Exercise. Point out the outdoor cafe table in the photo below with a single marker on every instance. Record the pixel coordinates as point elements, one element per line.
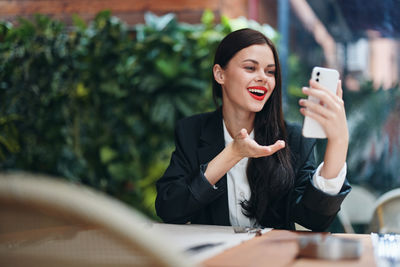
<point>268,250</point>
<point>273,248</point>
<point>276,248</point>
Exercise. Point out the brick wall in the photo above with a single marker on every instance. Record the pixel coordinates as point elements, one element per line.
<point>130,11</point>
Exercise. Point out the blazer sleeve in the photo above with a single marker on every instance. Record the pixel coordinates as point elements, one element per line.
<point>311,207</point>
<point>183,190</point>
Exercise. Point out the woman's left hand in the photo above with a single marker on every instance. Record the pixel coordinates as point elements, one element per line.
<point>331,115</point>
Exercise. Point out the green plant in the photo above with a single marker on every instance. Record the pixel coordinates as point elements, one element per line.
<point>97,103</point>
<point>374,125</point>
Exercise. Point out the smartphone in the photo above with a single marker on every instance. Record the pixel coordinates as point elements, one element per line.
<point>329,247</point>
<point>329,79</point>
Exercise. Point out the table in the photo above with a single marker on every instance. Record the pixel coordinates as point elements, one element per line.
<point>273,248</point>
<point>93,246</point>
<point>277,248</point>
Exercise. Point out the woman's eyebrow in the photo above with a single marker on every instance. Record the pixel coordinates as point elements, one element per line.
<point>256,62</point>
<point>251,60</point>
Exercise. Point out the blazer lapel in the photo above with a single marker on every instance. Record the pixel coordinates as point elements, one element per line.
<point>212,143</point>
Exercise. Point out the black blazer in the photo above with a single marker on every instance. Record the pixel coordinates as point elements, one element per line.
<point>184,195</point>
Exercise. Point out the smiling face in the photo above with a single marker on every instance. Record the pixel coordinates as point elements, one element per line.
<point>248,80</point>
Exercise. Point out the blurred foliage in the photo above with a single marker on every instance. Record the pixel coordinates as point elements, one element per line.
<point>373,119</point>
<point>373,159</point>
<point>299,76</point>
<point>374,125</point>
<point>97,103</point>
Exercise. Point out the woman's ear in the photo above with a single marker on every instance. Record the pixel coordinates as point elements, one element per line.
<point>218,74</point>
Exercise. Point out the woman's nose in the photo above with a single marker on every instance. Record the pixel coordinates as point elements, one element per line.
<point>261,77</point>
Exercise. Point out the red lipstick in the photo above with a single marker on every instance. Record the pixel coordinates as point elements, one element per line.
<point>257,92</point>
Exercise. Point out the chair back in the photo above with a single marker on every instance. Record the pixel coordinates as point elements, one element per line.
<point>49,222</point>
<point>357,208</point>
<point>386,216</point>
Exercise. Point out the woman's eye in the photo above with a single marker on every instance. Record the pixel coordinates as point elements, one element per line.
<point>272,72</point>
<point>249,68</point>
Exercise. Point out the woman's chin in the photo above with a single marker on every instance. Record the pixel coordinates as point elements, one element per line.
<point>257,107</point>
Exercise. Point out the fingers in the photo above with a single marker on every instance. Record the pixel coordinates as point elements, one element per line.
<point>277,146</point>
<point>330,99</point>
<point>331,114</point>
<point>339,90</point>
<point>312,107</point>
<point>333,104</point>
<point>242,134</point>
<point>314,115</point>
<point>270,150</point>
<point>319,87</point>
<point>248,147</point>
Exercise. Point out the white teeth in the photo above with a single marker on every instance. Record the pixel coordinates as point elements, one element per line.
<point>257,91</point>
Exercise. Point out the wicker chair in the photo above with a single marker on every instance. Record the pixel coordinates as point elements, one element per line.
<point>49,222</point>
<point>386,217</point>
<point>357,208</point>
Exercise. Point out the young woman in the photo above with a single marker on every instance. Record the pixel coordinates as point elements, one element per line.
<point>242,164</point>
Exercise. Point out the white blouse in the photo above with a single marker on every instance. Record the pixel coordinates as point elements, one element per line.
<point>239,189</point>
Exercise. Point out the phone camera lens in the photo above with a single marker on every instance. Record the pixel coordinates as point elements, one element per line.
<point>318,73</point>
<point>317,80</point>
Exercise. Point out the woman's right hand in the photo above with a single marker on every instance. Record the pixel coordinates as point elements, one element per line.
<point>245,147</point>
<point>242,146</point>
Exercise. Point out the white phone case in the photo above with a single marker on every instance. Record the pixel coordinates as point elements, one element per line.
<point>328,78</point>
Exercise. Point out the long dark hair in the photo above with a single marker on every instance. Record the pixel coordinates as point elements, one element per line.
<point>270,178</point>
